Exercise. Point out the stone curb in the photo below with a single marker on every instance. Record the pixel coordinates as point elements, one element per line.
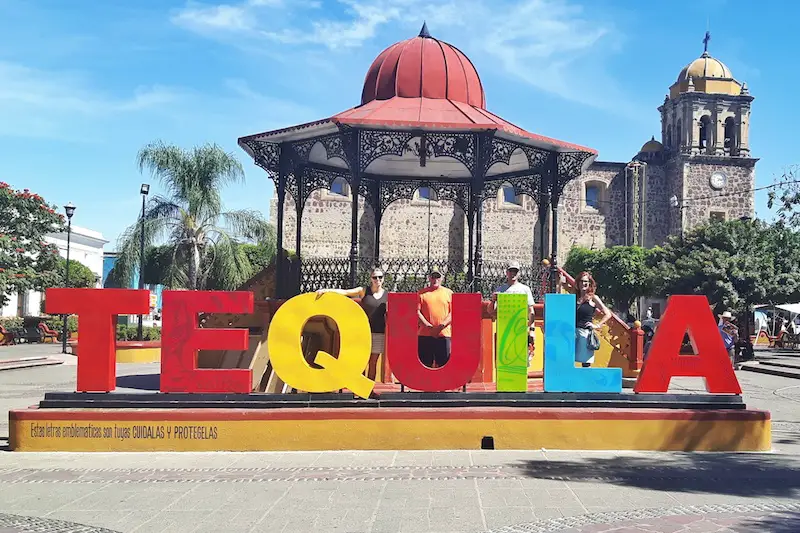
<point>572,522</point>
<point>28,362</point>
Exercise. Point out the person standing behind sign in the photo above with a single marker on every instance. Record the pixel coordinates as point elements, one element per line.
<point>373,301</point>
<point>730,335</point>
<point>587,305</point>
<point>435,316</point>
<point>514,286</point>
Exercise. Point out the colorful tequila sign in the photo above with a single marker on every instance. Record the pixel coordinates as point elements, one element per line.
<point>182,339</point>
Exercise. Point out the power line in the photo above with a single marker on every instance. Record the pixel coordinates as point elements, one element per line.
<point>693,199</point>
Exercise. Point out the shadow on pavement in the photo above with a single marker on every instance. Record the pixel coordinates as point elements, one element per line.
<point>149,382</point>
<point>740,475</point>
<point>785,523</point>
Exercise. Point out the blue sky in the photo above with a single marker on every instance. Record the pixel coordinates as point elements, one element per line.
<point>84,83</point>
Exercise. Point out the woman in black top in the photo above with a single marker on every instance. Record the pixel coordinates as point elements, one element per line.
<point>587,305</point>
<point>373,302</point>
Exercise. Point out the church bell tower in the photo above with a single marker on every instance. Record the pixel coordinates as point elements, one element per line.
<point>705,132</point>
<point>707,111</point>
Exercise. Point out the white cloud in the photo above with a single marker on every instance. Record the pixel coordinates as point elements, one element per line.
<point>40,103</point>
<point>240,19</point>
<point>221,17</point>
<point>555,46</point>
<point>334,34</point>
<point>64,106</point>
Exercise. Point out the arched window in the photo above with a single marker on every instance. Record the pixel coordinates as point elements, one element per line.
<point>706,134</point>
<point>730,134</point>
<point>678,134</point>
<point>426,193</point>
<point>593,194</point>
<point>669,139</point>
<point>595,197</point>
<point>510,197</point>
<point>340,187</point>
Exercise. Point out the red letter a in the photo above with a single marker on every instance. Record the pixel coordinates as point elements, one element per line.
<point>181,339</point>
<point>688,313</point>
<point>402,327</point>
<point>97,311</point>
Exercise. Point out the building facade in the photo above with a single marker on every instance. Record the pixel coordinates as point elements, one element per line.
<point>700,170</point>
<point>85,246</point>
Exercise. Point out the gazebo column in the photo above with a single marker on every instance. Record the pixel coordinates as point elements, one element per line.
<point>283,170</point>
<point>555,196</point>
<point>542,206</point>
<point>355,183</point>
<point>470,235</point>
<point>300,203</point>
<point>377,211</point>
<point>483,145</point>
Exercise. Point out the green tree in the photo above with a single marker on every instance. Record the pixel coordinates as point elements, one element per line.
<point>27,262</point>
<point>622,273</point>
<point>786,197</point>
<point>80,276</point>
<point>200,236</point>
<point>260,255</point>
<point>735,264</point>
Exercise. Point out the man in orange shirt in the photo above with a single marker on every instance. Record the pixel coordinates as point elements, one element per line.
<point>435,315</point>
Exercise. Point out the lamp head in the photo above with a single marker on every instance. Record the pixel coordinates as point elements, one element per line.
<point>145,189</point>
<point>69,209</point>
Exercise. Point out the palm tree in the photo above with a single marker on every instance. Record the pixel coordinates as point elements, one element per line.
<point>201,240</point>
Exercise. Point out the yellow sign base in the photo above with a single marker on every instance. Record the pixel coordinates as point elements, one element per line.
<point>121,430</point>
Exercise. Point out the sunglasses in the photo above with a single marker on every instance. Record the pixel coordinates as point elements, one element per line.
<point>377,277</point>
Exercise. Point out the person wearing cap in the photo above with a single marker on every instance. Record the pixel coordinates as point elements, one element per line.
<point>514,286</point>
<point>434,310</point>
<point>729,333</point>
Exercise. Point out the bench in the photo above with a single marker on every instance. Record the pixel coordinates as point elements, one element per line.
<point>48,334</point>
<point>7,338</point>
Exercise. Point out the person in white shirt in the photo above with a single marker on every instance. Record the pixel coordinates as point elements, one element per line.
<point>514,286</point>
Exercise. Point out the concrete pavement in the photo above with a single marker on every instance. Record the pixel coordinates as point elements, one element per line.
<point>447,491</point>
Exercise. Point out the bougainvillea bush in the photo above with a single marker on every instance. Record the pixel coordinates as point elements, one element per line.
<point>27,262</point>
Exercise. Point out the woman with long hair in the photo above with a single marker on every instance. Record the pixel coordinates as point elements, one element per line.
<point>587,305</point>
<point>373,302</point>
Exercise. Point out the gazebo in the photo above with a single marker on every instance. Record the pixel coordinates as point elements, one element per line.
<point>422,122</point>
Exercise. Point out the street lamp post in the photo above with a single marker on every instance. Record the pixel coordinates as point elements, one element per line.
<point>680,206</point>
<point>144,190</point>
<point>69,209</point>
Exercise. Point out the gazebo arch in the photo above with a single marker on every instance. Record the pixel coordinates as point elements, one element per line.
<point>413,129</point>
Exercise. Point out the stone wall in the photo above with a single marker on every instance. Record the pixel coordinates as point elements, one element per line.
<point>582,225</point>
<point>404,230</point>
<point>510,231</point>
<point>734,201</point>
<point>656,209</point>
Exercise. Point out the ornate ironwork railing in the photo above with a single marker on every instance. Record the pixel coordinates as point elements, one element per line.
<point>410,274</point>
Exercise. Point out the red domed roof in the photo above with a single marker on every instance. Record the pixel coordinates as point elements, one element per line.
<point>423,67</point>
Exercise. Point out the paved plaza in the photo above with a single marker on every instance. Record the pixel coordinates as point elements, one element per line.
<point>420,492</point>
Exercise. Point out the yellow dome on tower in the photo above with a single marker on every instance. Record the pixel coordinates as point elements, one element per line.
<point>652,146</point>
<point>705,67</point>
<point>706,74</point>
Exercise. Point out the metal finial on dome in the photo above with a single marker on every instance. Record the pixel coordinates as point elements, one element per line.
<point>424,33</point>
<point>706,39</point>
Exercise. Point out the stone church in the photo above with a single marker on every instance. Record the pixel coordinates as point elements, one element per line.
<point>701,169</point>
